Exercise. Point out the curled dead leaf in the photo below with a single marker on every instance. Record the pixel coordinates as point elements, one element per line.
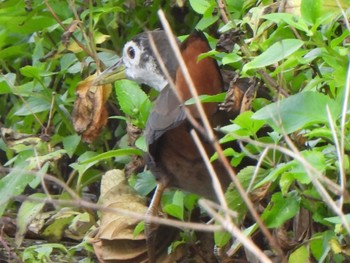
<point>115,240</point>
<point>89,112</point>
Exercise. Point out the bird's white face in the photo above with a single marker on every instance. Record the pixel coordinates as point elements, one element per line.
<point>141,66</point>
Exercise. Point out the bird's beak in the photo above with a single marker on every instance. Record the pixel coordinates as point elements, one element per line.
<point>111,74</point>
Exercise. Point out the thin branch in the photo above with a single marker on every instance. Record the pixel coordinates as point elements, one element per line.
<point>140,216</point>
<point>236,232</point>
<point>65,29</point>
<point>223,12</point>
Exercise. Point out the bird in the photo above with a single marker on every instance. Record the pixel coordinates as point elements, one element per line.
<point>173,157</point>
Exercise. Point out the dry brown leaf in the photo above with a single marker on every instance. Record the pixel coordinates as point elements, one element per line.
<point>239,96</point>
<point>89,112</point>
<point>260,193</point>
<point>115,240</point>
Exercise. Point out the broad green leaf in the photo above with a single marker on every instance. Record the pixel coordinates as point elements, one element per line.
<point>298,111</point>
<point>299,255</point>
<point>208,98</point>
<point>30,71</point>
<point>13,184</point>
<point>24,25</point>
<point>145,183</point>
<point>70,144</point>
<point>337,220</point>
<point>141,143</point>
<point>231,58</point>
<point>316,159</point>
<point>39,160</point>
<point>41,252</point>
<point>176,208</point>
<point>200,6</point>
<point>206,21</point>
<point>58,223</point>
<point>111,154</point>
<point>133,101</point>
<point>290,19</point>
<point>316,242</point>
<point>15,51</point>
<point>190,201</point>
<point>245,121</point>
<point>33,104</point>
<point>233,197</point>
<point>26,213</point>
<point>285,182</point>
<point>100,11</point>
<point>84,162</point>
<point>311,15</point>
<point>247,232</point>
<point>278,51</point>
<point>6,82</point>
<point>281,209</point>
<point>221,238</point>
<point>140,227</point>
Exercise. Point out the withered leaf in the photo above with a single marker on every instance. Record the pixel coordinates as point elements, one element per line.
<point>115,239</point>
<point>89,112</point>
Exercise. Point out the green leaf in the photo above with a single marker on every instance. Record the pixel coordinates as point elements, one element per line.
<point>30,71</point>
<point>26,213</point>
<point>33,104</point>
<point>200,6</point>
<point>41,252</point>
<point>111,154</point>
<point>176,208</point>
<point>298,111</point>
<point>13,184</point>
<point>145,183</point>
<point>316,159</point>
<point>337,220</point>
<point>82,164</point>
<point>70,144</point>
<point>206,21</point>
<point>245,121</point>
<point>141,143</point>
<point>289,19</point>
<point>6,82</point>
<point>281,209</point>
<point>207,98</point>
<point>231,58</point>
<point>133,101</point>
<point>221,238</point>
<point>233,197</point>
<point>311,15</point>
<point>140,227</point>
<point>299,255</point>
<point>285,182</point>
<point>25,25</point>
<point>59,223</point>
<point>278,51</point>
<point>316,244</point>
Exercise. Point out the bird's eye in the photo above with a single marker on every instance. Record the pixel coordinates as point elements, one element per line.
<point>131,52</point>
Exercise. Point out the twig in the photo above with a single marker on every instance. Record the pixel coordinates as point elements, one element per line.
<point>140,216</point>
<point>236,232</point>
<point>222,8</point>
<point>65,28</point>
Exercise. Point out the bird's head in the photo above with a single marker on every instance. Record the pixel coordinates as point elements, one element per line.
<point>139,63</point>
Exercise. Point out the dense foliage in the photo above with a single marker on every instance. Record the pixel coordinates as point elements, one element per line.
<point>299,54</point>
